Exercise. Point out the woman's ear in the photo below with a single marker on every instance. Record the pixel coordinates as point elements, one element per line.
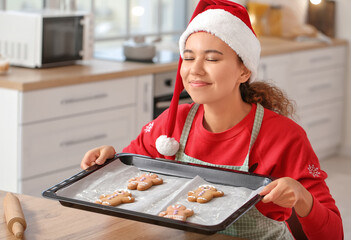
<point>245,74</point>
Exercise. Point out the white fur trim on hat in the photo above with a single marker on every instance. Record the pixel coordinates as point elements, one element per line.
<point>167,146</point>
<point>229,29</point>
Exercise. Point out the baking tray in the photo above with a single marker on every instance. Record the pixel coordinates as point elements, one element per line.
<point>169,168</point>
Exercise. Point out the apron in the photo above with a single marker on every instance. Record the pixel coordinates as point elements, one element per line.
<point>253,224</point>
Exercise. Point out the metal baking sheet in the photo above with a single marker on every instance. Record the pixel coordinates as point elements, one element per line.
<point>77,192</point>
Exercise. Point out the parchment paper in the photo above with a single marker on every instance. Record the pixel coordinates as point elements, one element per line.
<point>174,190</point>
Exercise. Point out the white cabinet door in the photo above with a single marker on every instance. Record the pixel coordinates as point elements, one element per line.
<point>145,102</point>
<point>275,69</point>
<point>9,139</point>
<point>55,145</point>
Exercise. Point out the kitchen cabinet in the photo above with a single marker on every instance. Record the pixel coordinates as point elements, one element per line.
<point>315,80</point>
<point>49,130</point>
<point>275,69</point>
<point>317,84</point>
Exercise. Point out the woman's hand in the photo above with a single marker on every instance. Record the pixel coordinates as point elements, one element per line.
<point>288,193</point>
<point>97,156</point>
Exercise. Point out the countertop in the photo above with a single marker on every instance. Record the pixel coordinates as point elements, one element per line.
<point>47,219</point>
<point>24,79</point>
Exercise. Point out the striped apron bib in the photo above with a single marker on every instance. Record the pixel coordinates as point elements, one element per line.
<point>253,224</point>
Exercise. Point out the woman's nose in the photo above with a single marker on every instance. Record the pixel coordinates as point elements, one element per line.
<point>197,68</point>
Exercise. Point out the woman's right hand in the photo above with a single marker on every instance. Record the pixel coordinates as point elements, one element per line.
<point>97,156</point>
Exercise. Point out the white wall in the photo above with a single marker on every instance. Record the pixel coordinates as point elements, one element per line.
<point>343,19</point>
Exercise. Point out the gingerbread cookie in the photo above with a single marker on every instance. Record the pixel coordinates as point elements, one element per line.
<point>144,181</point>
<point>177,212</point>
<point>116,198</point>
<point>204,194</point>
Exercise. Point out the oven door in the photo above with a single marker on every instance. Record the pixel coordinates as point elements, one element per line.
<point>62,41</point>
<point>163,102</point>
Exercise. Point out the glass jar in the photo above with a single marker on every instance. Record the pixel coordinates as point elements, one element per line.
<point>275,21</point>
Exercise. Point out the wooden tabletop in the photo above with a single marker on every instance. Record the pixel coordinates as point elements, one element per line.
<point>48,219</point>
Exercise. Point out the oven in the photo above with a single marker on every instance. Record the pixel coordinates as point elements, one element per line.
<point>163,92</point>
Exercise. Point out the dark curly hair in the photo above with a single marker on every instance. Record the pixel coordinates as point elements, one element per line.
<point>269,96</point>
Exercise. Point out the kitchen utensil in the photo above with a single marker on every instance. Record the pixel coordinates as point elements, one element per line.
<point>15,220</point>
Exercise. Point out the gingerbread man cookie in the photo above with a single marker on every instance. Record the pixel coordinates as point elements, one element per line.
<point>177,212</point>
<point>204,194</point>
<point>116,198</point>
<point>144,181</point>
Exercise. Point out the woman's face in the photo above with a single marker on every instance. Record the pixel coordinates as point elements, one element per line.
<point>211,70</point>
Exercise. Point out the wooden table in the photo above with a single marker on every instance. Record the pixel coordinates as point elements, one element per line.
<point>48,219</point>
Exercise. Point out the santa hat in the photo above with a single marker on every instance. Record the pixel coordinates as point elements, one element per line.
<point>228,21</point>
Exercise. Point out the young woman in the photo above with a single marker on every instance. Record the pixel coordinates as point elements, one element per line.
<point>238,123</point>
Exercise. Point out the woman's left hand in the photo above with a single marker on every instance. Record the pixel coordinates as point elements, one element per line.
<point>288,193</point>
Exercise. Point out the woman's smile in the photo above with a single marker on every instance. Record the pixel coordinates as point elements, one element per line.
<point>198,83</point>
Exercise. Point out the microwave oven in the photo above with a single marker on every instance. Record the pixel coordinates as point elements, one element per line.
<point>45,39</point>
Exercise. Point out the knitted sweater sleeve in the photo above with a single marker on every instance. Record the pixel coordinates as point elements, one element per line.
<point>295,158</point>
<point>324,220</point>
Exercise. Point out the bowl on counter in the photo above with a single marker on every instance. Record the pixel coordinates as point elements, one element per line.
<point>139,50</point>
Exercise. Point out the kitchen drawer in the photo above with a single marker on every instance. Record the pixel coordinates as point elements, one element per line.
<point>322,124</point>
<point>54,145</point>
<point>318,59</point>
<point>315,87</point>
<point>35,186</point>
<point>75,99</point>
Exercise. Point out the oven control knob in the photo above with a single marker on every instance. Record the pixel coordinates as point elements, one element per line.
<point>168,82</point>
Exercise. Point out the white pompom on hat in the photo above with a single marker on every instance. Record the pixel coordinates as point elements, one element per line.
<point>228,21</point>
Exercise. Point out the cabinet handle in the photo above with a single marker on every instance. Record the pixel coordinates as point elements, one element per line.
<point>320,87</point>
<point>264,71</point>
<point>318,122</point>
<point>83,140</point>
<point>320,59</point>
<point>146,95</point>
<point>82,99</point>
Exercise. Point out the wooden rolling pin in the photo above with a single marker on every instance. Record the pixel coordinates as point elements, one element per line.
<point>14,215</point>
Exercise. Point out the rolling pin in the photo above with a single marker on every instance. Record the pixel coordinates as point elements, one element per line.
<point>15,220</point>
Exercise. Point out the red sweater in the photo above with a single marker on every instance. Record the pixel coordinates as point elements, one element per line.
<point>281,150</point>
